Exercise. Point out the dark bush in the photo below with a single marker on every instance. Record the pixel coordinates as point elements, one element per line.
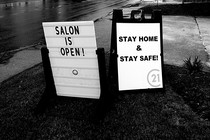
<point>193,66</point>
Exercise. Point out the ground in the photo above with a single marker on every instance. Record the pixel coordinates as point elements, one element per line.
<point>131,116</point>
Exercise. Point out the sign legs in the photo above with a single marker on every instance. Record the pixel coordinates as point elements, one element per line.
<point>49,96</point>
<point>105,97</point>
<point>50,91</point>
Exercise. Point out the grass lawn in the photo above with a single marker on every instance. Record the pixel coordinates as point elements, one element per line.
<point>179,113</point>
<point>132,116</point>
<point>187,9</point>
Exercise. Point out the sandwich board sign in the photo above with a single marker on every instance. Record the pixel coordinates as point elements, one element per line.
<point>72,53</point>
<point>139,54</point>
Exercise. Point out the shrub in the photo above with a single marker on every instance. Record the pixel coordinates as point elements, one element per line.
<point>193,66</point>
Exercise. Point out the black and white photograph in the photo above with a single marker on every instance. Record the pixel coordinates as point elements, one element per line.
<point>104,69</point>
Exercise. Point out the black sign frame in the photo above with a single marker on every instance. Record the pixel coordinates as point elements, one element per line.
<point>137,16</point>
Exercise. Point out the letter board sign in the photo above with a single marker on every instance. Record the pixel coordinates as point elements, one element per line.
<point>139,58</point>
<point>72,52</point>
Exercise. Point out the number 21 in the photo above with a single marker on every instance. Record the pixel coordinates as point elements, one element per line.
<point>156,78</point>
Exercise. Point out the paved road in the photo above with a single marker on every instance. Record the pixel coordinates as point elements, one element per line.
<point>21,22</point>
<point>183,36</point>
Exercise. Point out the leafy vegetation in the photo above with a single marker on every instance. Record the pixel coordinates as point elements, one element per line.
<point>189,9</point>
<point>193,85</point>
<point>193,66</point>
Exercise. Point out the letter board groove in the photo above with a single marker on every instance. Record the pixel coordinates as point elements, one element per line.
<point>72,52</point>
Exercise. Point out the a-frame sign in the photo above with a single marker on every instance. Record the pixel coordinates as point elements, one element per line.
<point>73,65</point>
<point>72,52</point>
<point>136,59</point>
